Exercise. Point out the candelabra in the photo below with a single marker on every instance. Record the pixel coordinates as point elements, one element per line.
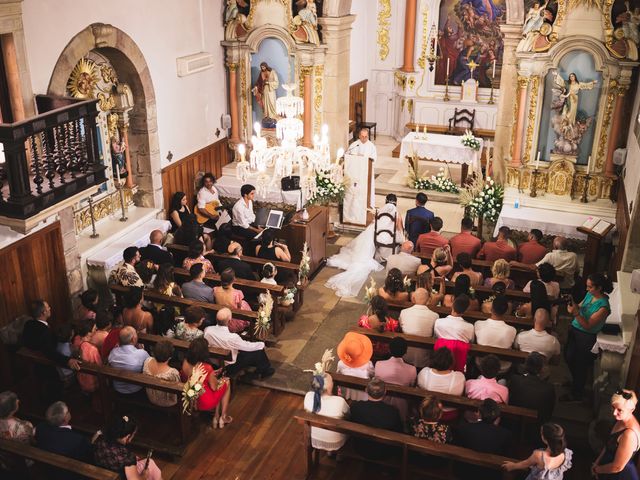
<point>491,101</point>
<point>446,89</point>
<point>534,187</point>
<point>123,218</point>
<point>585,190</point>
<point>93,220</point>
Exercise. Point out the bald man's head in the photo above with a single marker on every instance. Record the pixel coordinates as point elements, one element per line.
<point>128,336</point>
<point>407,247</point>
<point>421,296</point>
<point>559,243</point>
<point>541,319</point>
<point>156,237</point>
<point>223,316</point>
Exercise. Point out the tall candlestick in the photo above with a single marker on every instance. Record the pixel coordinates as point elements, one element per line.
<point>448,66</point>
<point>493,75</point>
<point>538,160</point>
<point>589,169</point>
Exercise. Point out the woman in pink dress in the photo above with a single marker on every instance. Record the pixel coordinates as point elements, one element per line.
<point>229,297</point>
<point>196,255</point>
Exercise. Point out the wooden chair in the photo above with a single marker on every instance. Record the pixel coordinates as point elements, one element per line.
<point>361,123</point>
<point>461,116</point>
<point>376,233</point>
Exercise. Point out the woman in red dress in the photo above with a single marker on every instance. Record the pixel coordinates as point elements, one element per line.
<point>217,391</point>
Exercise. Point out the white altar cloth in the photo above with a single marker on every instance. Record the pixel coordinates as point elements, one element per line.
<point>444,148</point>
<point>229,186</point>
<point>110,256</point>
<point>549,222</point>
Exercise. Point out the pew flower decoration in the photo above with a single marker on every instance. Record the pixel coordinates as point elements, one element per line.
<point>468,140</point>
<point>440,182</point>
<point>193,388</point>
<point>288,298</point>
<point>483,198</point>
<point>370,291</point>
<point>324,364</point>
<point>263,323</point>
<point>305,265</point>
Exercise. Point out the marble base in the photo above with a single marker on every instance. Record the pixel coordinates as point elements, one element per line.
<point>599,208</point>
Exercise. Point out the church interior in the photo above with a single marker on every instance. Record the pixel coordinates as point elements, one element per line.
<point>290,239</point>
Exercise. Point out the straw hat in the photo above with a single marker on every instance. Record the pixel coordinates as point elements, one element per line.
<point>355,349</point>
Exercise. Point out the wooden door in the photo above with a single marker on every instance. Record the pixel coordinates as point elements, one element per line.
<point>34,268</point>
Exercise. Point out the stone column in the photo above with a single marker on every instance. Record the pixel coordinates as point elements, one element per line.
<point>233,101</point>
<point>10,59</point>
<point>306,72</point>
<point>505,118</point>
<point>71,254</point>
<point>124,135</point>
<point>614,134</point>
<point>337,37</point>
<point>409,35</point>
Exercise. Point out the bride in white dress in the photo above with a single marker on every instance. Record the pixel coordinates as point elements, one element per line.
<point>357,258</point>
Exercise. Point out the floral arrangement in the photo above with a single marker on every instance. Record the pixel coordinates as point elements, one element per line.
<point>370,291</point>
<point>263,323</point>
<point>327,190</point>
<point>439,182</point>
<point>305,267</point>
<point>483,198</point>
<point>468,140</point>
<point>193,388</point>
<point>288,297</point>
<point>324,364</point>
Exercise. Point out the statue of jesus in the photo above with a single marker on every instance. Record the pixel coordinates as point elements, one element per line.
<point>265,90</point>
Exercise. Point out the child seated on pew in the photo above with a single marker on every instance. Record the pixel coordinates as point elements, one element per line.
<point>269,272</point>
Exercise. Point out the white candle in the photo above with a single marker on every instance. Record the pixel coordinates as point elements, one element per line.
<point>589,169</point>
<point>425,129</point>
<point>417,128</point>
<point>448,66</point>
<point>257,128</point>
<point>241,151</point>
<point>118,174</point>
<point>494,69</point>
<point>538,160</point>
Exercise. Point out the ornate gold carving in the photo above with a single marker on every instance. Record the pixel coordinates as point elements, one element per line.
<point>83,79</point>
<point>287,7</point>
<point>533,103</point>
<point>243,95</point>
<point>401,79</point>
<point>425,35</point>
<point>562,10</point>
<point>612,93</point>
<point>384,14</point>
<point>516,107</point>
<point>103,208</point>
<point>523,81</point>
<point>560,177</point>
<point>410,106</point>
<point>411,82</point>
<point>232,67</point>
<point>112,124</point>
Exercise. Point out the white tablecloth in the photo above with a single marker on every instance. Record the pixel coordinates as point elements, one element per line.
<point>109,257</point>
<point>609,343</point>
<point>549,222</point>
<point>229,186</point>
<point>445,148</point>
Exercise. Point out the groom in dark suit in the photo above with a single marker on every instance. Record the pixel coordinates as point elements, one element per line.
<point>417,219</point>
<point>155,252</point>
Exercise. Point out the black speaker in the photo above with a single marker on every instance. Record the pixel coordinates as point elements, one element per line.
<point>290,183</point>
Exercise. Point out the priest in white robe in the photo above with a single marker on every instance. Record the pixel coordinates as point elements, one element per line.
<point>365,147</point>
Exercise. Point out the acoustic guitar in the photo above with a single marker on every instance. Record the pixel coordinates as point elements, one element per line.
<point>212,208</point>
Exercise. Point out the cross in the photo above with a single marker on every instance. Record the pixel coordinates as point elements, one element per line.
<point>472,66</point>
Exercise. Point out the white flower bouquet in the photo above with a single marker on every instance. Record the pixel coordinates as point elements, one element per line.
<point>370,291</point>
<point>327,190</point>
<point>193,388</point>
<point>439,182</point>
<point>468,140</point>
<point>483,199</point>
<point>263,322</point>
<point>305,266</point>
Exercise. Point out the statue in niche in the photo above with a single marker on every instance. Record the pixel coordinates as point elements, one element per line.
<point>309,14</point>
<point>305,21</point>
<point>235,18</point>
<point>626,34</point>
<point>538,27</point>
<point>569,123</point>
<point>535,18</point>
<point>117,157</point>
<point>265,93</point>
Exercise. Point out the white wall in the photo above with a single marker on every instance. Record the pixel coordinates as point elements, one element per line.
<point>188,108</point>
<point>363,40</point>
<point>632,175</point>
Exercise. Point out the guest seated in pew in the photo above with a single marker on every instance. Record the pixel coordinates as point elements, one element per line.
<point>428,242</point>
<point>486,385</point>
<point>418,320</point>
<point>532,251</point>
<point>128,357</point>
<point>158,367</point>
<point>65,333</point>
<point>217,388</point>
<point>111,451</point>
<point>546,274</point>
<point>500,248</point>
<point>243,353</point>
<point>241,268</point>
<point>397,372</point>
<point>178,210</point>
<point>440,264</point>
<point>12,427</point>
<point>538,339</point>
<point>464,261</point>
<point>393,289</point>
<point>494,331</point>
<point>126,274</point>
<point>190,231</point>
<point>89,353</point>
<point>243,216</point>
<point>147,272</point>
<point>88,307</point>
<point>196,255</point>
<point>546,463</point>
<point>322,401</point>
<point>428,425</point>
<point>404,260</point>
<point>530,391</point>
<point>499,289</point>
<point>196,289</point>
<point>112,339</point>
<point>104,322</point>
<point>539,300</point>
<point>228,296</point>
<point>465,241</point>
<point>269,272</point>
<point>373,412</point>
<point>500,271</point>
<point>455,333</point>
<point>222,243</point>
<point>462,286</point>
<point>190,328</point>
<point>380,321</point>
<point>165,282</point>
<point>207,196</point>
<point>269,249</point>
<point>417,219</point>
<point>55,435</point>
<point>133,313</point>
<point>154,251</point>
<point>441,377</point>
<point>355,351</point>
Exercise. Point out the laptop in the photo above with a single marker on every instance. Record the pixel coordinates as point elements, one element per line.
<point>268,218</point>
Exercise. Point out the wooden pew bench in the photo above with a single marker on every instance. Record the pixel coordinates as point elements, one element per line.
<point>405,443</point>
<point>109,397</point>
<point>215,353</point>
<point>44,458</point>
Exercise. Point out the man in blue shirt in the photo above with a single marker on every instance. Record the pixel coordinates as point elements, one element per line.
<point>417,219</point>
<point>127,357</point>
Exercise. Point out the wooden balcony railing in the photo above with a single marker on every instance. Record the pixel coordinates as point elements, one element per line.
<point>49,158</point>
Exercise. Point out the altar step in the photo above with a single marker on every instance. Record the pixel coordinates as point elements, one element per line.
<point>600,208</point>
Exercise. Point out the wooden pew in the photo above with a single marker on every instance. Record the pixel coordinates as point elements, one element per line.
<point>406,443</point>
<point>109,396</point>
<point>183,345</point>
<point>506,354</point>
<point>44,457</point>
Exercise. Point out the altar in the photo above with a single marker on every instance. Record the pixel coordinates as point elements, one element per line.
<point>229,186</point>
<point>440,148</point>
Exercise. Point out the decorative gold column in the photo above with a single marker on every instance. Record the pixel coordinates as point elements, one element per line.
<point>10,59</point>
<point>306,72</point>
<point>409,35</point>
<point>614,135</point>
<point>516,154</point>
<point>233,102</point>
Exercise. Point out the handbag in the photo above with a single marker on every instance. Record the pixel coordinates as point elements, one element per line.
<point>290,183</point>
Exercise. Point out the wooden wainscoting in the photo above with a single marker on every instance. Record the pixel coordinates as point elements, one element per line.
<point>623,219</point>
<point>179,176</point>
<point>357,93</point>
<point>34,268</point>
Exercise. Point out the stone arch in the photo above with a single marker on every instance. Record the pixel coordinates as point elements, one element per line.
<point>131,68</point>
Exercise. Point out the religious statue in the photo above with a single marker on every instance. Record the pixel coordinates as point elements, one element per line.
<point>265,93</point>
<point>309,13</point>
<point>535,18</point>
<point>537,28</point>
<point>626,35</point>
<point>567,124</point>
<point>630,21</point>
<point>117,158</point>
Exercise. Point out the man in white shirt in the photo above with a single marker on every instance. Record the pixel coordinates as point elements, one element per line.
<point>243,216</point>
<point>363,146</point>
<point>454,327</point>
<point>243,353</point>
<point>404,261</point>
<point>537,339</point>
<point>561,259</point>
<point>418,320</point>
<point>207,194</point>
<point>494,332</point>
